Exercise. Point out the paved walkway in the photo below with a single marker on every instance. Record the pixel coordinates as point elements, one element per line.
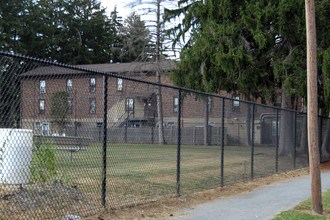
<point>262,204</point>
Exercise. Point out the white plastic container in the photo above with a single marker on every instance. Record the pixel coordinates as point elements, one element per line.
<point>15,155</point>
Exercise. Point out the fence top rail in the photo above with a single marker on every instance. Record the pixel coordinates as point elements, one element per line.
<point>111,74</point>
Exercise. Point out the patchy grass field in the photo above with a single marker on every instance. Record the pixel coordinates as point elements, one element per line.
<point>141,173</point>
<point>138,172</point>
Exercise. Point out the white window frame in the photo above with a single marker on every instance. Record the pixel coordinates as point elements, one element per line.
<point>69,85</point>
<point>37,125</point>
<point>42,86</point>
<point>119,84</point>
<point>92,84</point>
<point>236,103</point>
<point>41,106</point>
<point>92,106</point>
<point>274,128</point>
<point>209,104</point>
<point>129,104</point>
<point>45,128</point>
<point>175,104</point>
<point>70,106</point>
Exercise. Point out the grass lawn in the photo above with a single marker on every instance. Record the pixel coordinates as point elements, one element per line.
<point>135,174</point>
<point>139,172</point>
<point>303,210</point>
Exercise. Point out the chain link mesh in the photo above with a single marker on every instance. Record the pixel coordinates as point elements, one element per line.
<point>52,139</point>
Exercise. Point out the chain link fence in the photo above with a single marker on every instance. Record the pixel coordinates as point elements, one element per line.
<point>76,139</point>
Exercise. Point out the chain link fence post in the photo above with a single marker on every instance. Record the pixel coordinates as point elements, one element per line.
<point>222,139</point>
<point>104,152</point>
<point>294,138</point>
<point>252,142</point>
<point>276,163</point>
<point>178,145</point>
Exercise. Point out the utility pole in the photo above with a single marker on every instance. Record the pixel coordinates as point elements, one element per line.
<point>312,116</point>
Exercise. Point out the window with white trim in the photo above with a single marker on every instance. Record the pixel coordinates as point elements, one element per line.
<point>175,104</point>
<point>41,106</point>
<point>69,85</point>
<point>92,106</point>
<point>274,127</point>
<point>37,125</point>
<point>70,106</point>
<point>119,84</point>
<point>42,86</point>
<point>92,84</point>
<point>45,128</point>
<point>236,103</point>
<point>129,104</point>
<point>209,104</point>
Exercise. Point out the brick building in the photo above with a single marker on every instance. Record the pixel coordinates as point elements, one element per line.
<point>130,104</point>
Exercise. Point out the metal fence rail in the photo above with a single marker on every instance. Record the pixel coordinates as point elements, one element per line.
<point>101,138</point>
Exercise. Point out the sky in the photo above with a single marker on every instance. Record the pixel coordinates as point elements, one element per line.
<point>122,10</point>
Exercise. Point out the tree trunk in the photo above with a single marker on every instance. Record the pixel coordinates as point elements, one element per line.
<point>326,143</point>
<point>160,116</point>
<point>206,122</point>
<point>286,142</point>
<point>159,90</point>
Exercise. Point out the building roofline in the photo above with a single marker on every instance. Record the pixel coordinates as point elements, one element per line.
<point>127,69</point>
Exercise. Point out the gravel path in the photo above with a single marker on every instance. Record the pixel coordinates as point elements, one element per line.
<point>262,204</point>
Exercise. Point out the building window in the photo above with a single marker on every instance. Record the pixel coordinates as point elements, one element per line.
<point>175,104</point>
<point>42,86</point>
<point>69,85</point>
<point>209,104</point>
<point>92,84</point>
<point>69,106</point>
<point>37,125</point>
<point>130,105</point>
<point>119,84</point>
<point>41,106</point>
<point>274,128</point>
<point>92,106</point>
<point>45,128</point>
<point>236,103</point>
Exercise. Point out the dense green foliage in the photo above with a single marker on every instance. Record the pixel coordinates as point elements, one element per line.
<point>68,31</point>
<point>133,40</point>
<point>251,46</point>
<point>10,70</point>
